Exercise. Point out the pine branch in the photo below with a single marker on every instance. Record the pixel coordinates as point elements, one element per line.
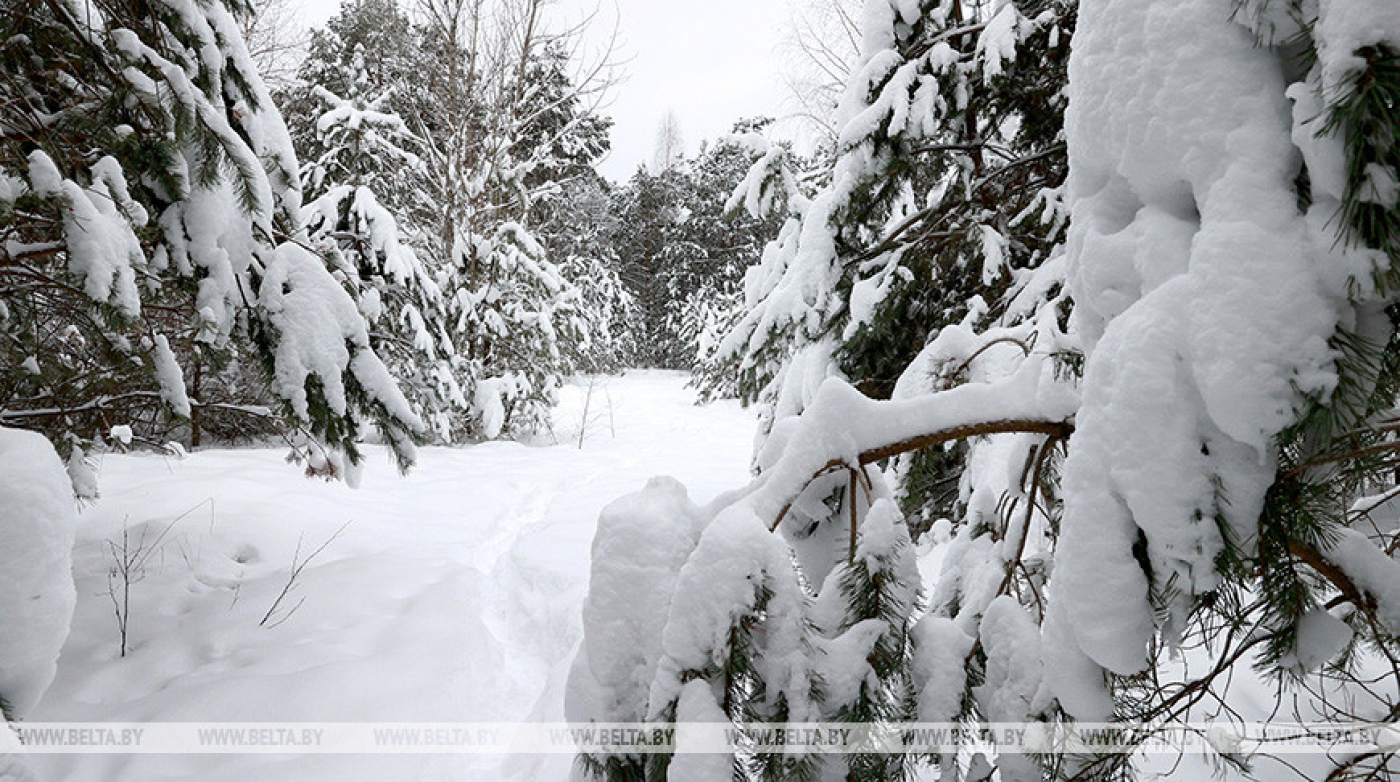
<point>1055,429</point>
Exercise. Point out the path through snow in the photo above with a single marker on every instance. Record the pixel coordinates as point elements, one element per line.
<point>452,595</point>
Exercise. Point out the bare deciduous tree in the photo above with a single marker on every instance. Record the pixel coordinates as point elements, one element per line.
<point>670,144</point>
<point>483,102</point>
<point>821,45</point>
<point>276,40</point>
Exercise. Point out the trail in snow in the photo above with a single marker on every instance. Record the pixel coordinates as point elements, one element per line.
<point>452,595</point>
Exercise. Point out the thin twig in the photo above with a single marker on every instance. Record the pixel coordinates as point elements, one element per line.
<point>298,565</point>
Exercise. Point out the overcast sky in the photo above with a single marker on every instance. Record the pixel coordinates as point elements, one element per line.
<point>710,61</point>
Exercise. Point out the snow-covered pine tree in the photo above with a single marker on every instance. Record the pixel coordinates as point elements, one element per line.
<point>513,312</point>
<point>714,245</point>
<point>683,252</point>
<point>368,53</point>
<point>502,131</point>
<point>563,137</point>
<point>943,192</point>
<point>577,229</point>
<point>364,152</point>
<point>648,209</point>
<point>1271,390</point>
<point>152,230</point>
<point>774,192</point>
<point>772,188</point>
<point>1209,368</point>
<point>382,36</point>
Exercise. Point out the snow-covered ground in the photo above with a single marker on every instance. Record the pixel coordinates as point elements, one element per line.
<point>452,594</point>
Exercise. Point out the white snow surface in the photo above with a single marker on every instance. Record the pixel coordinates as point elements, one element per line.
<point>454,594</point>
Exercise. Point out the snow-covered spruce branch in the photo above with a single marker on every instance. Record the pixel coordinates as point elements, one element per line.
<point>937,214</point>
<point>950,35</point>
<point>16,256</point>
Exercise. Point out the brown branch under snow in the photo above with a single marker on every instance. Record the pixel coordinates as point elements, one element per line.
<point>1336,576</point>
<point>1056,431</point>
<point>1053,429</point>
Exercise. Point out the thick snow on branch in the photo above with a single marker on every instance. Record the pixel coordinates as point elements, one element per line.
<point>669,586</point>
<point>843,425</point>
<point>253,181</point>
<point>170,377</point>
<point>1375,574</point>
<point>321,335</point>
<point>735,564</point>
<point>697,705</point>
<point>1205,299</point>
<point>102,247</point>
<point>1343,29</point>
